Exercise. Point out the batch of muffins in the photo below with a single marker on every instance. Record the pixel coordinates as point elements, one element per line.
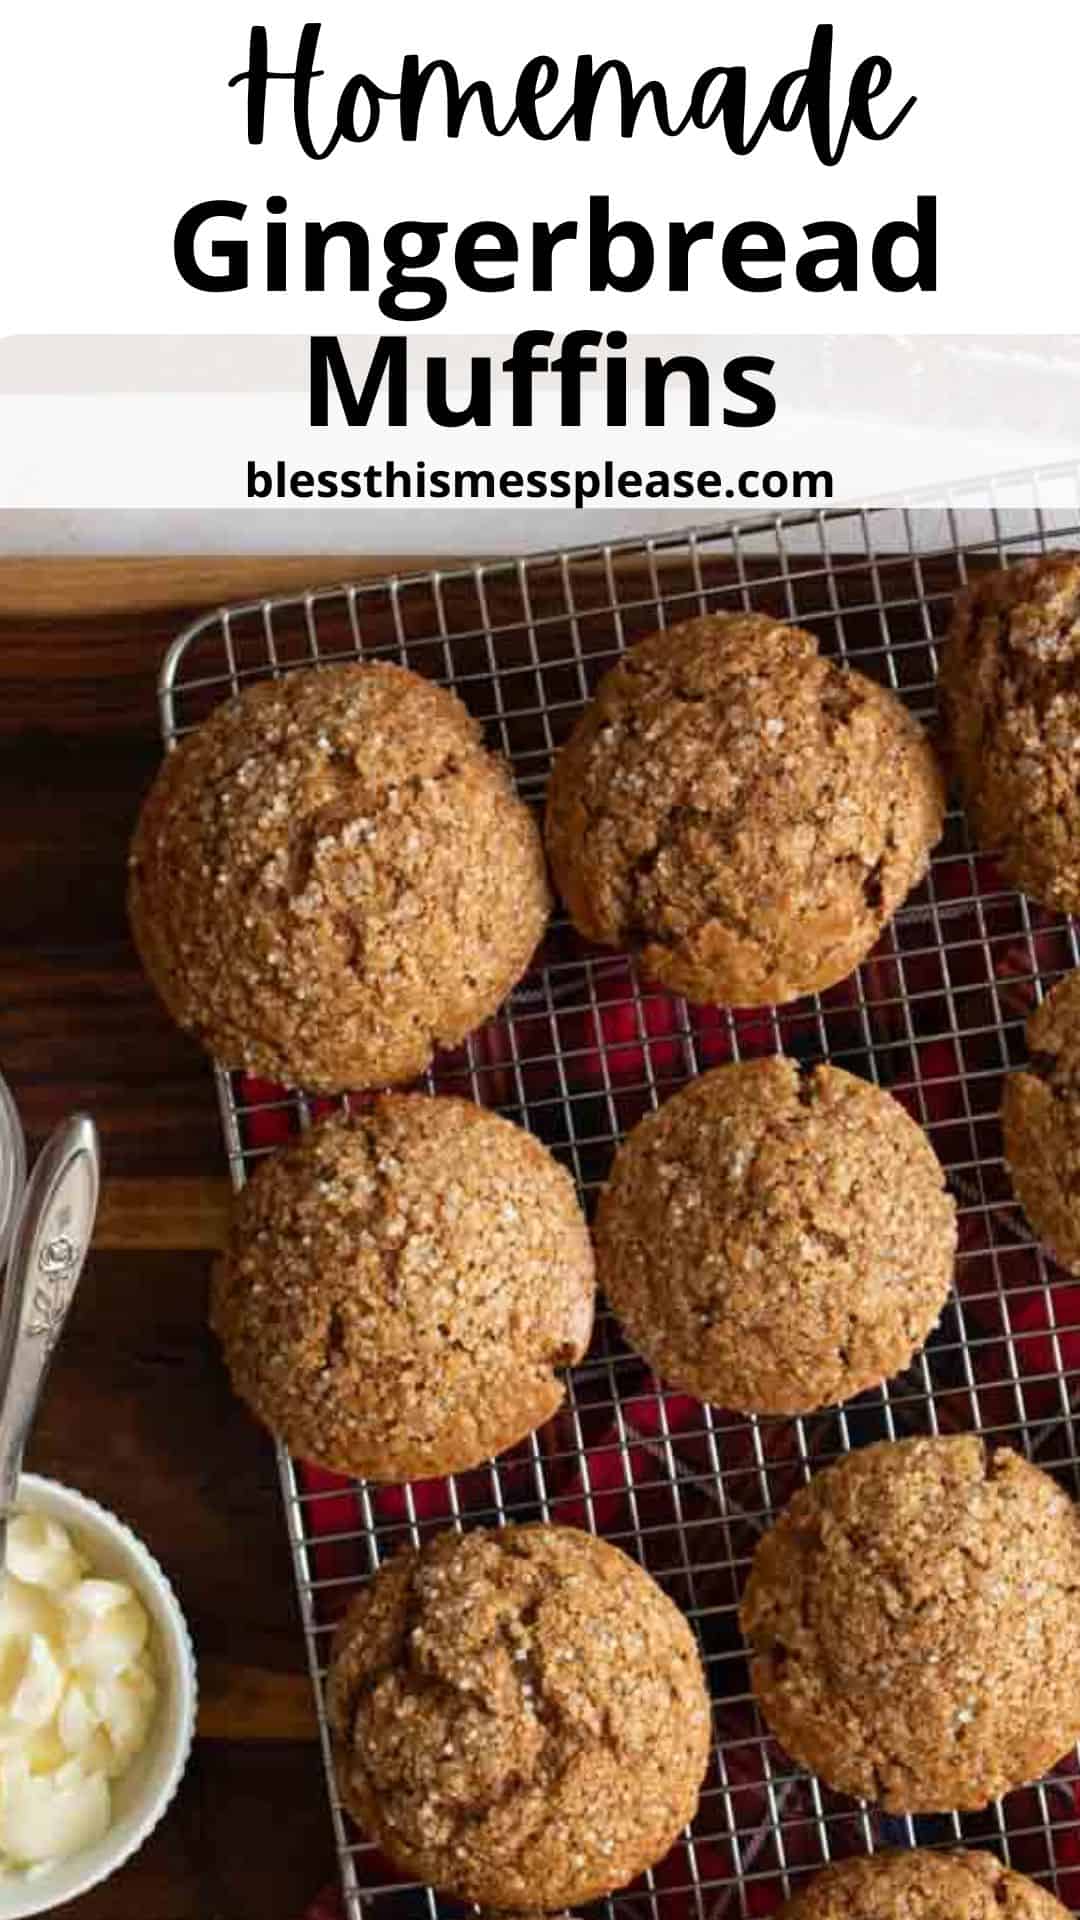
<point>330,880</point>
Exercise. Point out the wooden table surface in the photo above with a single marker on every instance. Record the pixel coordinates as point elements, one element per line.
<point>137,1412</point>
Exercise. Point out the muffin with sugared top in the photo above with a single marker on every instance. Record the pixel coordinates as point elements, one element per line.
<point>519,1716</point>
<point>1010,699</point>
<point>331,878</point>
<point>401,1289</point>
<point>740,812</point>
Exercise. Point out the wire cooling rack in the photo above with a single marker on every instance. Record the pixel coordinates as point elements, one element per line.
<point>584,1047</point>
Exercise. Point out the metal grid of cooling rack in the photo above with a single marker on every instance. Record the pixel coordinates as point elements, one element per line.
<point>584,1047</point>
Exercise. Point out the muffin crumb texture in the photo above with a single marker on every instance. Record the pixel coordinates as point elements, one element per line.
<point>1041,1123</point>
<point>742,813</point>
<point>772,1241</point>
<point>400,1288</point>
<point>520,1716</point>
<point>330,878</point>
<point>920,1885</point>
<point>1010,697</point>
<point>912,1620</point>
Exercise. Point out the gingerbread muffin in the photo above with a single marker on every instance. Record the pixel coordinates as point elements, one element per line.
<point>774,1241</point>
<point>330,878</point>
<point>520,1716</point>
<point>912,1620</point>
<point>1010,697</point>
<point>741,813</point>
<point>400,1288</point>
<point>1041,1123</point>
<point>922,1886</point>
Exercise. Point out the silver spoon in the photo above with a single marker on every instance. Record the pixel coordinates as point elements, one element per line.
<point>48,1248</point>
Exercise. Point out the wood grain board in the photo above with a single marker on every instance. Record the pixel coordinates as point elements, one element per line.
<point>84,589</point>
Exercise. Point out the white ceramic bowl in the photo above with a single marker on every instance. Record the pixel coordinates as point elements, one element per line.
<point>12,1167</point>
<point>142,1794</point>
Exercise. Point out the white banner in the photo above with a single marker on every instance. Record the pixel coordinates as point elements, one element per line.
<point>582,241</point>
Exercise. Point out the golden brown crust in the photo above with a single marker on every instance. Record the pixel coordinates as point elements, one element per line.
<point>912,1619</point>
<point>773,1242</point>
<point>922,1886</point>
<point>1010,700</point>
<point>398,1290</point>
<point>520,1716</point>
<point>742,813</point>
<point>330,878</point>
<point>1040,1121</point>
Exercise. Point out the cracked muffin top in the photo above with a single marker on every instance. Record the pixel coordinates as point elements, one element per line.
<point>330,878</point>
<point>1040,1120</point>
<point>399,1288</point>
<point>743,814</point>
<point>1010,699</point>
<point>774,1242</point>
<point>919,1885</point>
<point>912,1620</point>
<point>520,1716</point>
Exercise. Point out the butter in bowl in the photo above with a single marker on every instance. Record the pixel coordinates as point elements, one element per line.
<point>119,1667</point>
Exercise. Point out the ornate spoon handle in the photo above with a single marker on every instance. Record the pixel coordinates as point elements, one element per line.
<point>48,1248</point>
